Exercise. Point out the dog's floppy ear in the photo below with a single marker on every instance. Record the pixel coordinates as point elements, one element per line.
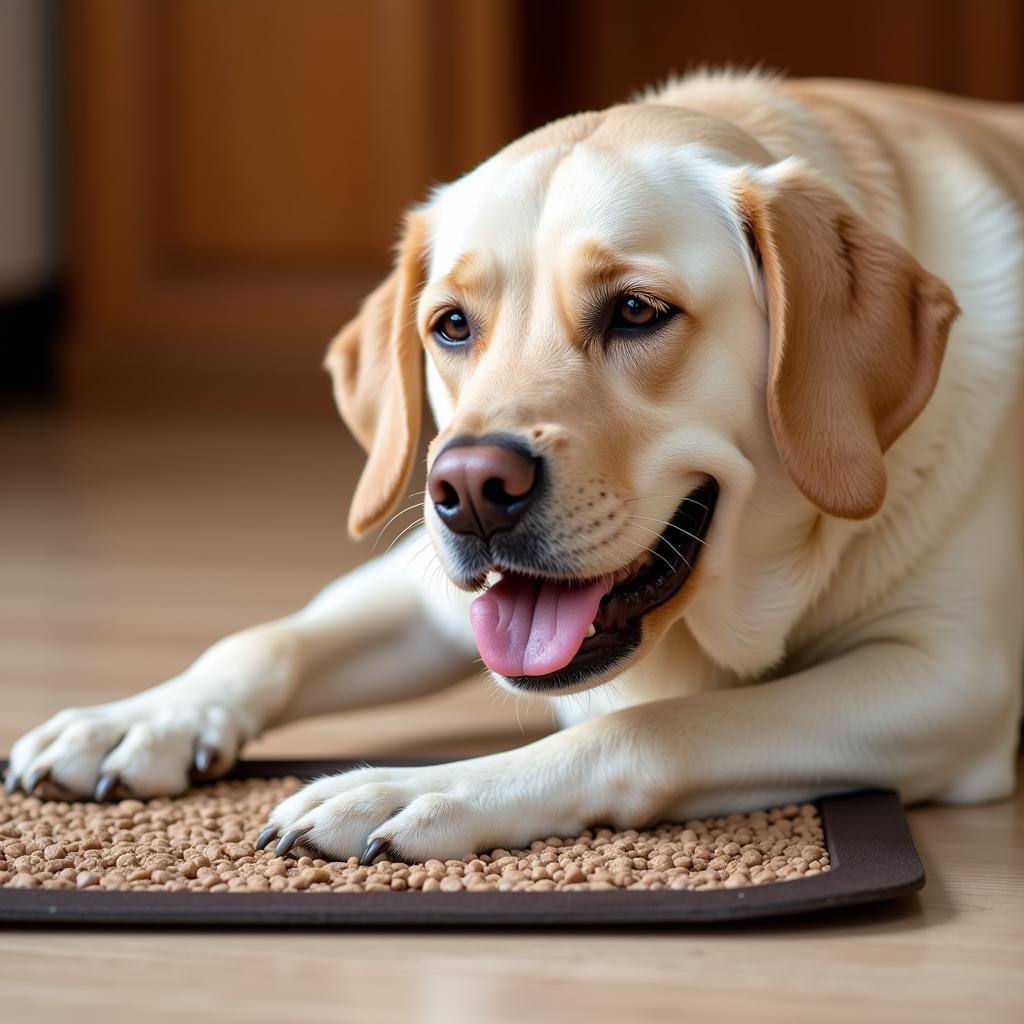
<point>376,364</point>
<point>857,331</point>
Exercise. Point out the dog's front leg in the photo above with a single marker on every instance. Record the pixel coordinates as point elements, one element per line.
<point>887,713</point>
<point>376,635</point>
<point>930,724</point>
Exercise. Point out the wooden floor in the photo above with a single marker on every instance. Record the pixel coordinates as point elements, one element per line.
<point>126,546</point>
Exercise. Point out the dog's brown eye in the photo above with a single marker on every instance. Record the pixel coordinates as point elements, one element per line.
<point>453,328</point>
<point>635,313</point>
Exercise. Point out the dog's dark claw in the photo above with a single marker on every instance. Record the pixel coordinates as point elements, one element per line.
<point>266,837</point>
<point>204,758</point>
<point>34,778</point>
<point>373,850</point>
<point>11,781</point>
<point>105,786</point>
<point>289,839</point>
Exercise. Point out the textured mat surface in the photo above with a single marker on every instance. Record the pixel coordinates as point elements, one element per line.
<point>205,841</point>
<point>193,860</point>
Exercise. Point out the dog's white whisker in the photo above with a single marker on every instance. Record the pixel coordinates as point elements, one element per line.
<point>380,535</point>
<point>411,526</point>
<point>649,551</point>
<point>654,533</point>
<point>671,526</point>
<point>655,497</point>
<point>408,508</point>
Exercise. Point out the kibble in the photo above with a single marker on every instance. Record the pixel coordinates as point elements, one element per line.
<point>205,842</point>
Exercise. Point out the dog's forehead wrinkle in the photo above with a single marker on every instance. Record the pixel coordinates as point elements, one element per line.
<point>496,206</point>
<point>634,197</point>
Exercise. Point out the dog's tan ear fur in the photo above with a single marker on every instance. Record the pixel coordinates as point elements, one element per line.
<point>376,365</point>
<point>857,333</point>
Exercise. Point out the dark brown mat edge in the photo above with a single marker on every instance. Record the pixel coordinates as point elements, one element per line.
<point>867,833</point>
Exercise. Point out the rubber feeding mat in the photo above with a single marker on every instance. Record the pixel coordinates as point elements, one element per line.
<point>193,861</point>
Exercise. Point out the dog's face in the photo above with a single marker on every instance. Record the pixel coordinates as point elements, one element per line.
<point>631,326</point>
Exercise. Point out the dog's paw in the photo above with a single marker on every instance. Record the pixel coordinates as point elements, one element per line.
<point>413,814</point>
<point>141,747</point>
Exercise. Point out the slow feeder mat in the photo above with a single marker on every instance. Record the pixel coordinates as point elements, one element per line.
<point>848,849</point>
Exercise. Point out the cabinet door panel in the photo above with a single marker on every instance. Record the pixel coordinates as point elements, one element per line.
<point>294,139</point>
<point>237,173</point>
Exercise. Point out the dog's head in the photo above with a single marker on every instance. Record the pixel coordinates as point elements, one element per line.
<point>656,360</point>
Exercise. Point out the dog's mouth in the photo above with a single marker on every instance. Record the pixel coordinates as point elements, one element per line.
<point>545,633</point>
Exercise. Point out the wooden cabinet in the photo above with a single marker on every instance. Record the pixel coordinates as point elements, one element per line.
<point>590,53</point>
<point>237,171</point>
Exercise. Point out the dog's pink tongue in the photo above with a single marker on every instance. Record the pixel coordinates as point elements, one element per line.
<point>526,627</point>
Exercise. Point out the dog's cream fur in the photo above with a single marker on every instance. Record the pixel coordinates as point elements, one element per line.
<point>853,619</point>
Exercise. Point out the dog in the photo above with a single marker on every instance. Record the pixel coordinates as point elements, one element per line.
<point>728,383</point>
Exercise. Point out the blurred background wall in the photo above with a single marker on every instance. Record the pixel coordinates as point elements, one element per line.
<point>233,170</point>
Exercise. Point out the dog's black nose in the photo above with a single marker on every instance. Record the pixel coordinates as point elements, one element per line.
<point>483,488</point>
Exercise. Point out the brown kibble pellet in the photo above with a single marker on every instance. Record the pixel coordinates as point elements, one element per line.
<point>203,842</point>
<point>573,874</point>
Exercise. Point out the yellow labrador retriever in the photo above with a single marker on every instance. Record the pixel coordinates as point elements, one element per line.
<point>728,384</point>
